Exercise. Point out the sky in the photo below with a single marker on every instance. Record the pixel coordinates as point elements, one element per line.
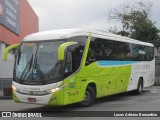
<point>81,14</point>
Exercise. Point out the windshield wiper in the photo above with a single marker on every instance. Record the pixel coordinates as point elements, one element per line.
<point>28,66</point>
<point>36,66</point>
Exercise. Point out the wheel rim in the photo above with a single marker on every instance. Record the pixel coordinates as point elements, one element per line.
<point>87,96</point>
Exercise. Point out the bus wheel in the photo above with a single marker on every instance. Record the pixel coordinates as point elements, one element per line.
<point>89,97</point>
<point>139,87</point>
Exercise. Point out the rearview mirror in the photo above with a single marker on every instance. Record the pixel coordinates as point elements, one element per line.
<point>6,51</point>
<point>62,49</point>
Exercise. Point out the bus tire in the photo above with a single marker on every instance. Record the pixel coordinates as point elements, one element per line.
<point>139,89</point>
<point>89,98</point>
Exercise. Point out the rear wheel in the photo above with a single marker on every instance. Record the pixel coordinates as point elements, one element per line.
<point>139,89</point>
<point>89,97</point>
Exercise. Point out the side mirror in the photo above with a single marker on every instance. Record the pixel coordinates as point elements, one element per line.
<point>62,49</point>
<point>6,51</point>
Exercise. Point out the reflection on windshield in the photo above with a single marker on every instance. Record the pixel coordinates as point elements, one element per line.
<point>49,52</point>
<point>23,58</point>
<point>37,61</point>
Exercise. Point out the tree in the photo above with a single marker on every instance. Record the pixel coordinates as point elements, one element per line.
<point>134,17</point>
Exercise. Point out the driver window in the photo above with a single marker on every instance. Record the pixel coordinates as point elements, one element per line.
<point>73,59</point>
<point>74,54</point>
<point>68,64</point>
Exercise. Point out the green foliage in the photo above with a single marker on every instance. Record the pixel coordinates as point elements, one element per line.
<point>123,33</point>
<point>141,26</point>
<point>135,21</point>
<point>146,33</point>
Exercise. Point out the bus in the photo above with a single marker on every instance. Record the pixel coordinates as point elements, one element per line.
<point>61,67</point>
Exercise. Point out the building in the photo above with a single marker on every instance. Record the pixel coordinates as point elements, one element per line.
<point>17,20</point>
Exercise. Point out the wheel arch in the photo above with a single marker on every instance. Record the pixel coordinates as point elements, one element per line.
<point>93,85</point>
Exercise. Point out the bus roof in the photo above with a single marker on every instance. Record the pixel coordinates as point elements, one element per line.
<point>67,33</point>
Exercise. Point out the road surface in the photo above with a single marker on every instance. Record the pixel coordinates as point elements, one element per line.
<point>149,100</point>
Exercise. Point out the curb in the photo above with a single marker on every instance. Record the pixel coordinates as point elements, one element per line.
<point>2,97</point>
<point>5,97</point>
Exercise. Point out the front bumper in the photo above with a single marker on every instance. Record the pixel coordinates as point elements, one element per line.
<point>54,99</point>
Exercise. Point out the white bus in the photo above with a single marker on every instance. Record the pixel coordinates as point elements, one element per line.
<point>62,67</point>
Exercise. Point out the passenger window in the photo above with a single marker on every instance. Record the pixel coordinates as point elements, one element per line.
<point>103,49</point>
<point>123,51</point>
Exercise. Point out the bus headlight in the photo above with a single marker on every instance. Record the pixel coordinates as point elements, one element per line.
<point>54,90</point>
<point>13,88</point>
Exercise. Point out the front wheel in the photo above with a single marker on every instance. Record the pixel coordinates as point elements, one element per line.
<point>139,87</point>
<point>89,97</point>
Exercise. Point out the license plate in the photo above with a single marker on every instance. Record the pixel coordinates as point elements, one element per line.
<point>32,99</point>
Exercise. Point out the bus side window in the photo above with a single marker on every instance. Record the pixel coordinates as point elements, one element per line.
<point>68,64</point>
<point>77,57</point>
<point>111,50</point>
<point>101,49</point>
<point>90,57</point>
<point>92,53</point>
<point>73,59</point>
<point>123,51</point>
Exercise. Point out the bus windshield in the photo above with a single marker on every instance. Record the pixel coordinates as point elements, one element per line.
<point>37,61</point>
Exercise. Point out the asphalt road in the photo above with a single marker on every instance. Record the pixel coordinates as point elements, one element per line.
<point>149,100</point>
